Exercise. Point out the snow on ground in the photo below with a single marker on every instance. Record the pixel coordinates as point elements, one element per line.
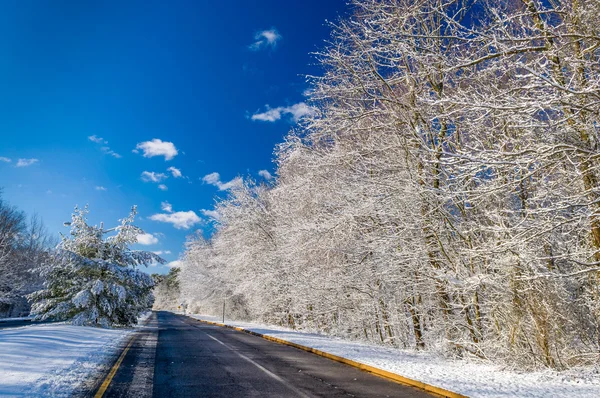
<point>53,359</point>
<point>471,378</point>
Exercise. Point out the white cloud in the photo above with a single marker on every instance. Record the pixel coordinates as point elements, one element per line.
<point>212,178</point>
<point>296,111</point>
<point>147,239</point>
<point>110,152</point>
<point>211,214</point>
<point>271,115</point>
<point>265,39</point>
<point>215,179</point>
<point>161,252</point>
<point>26,162</point>
<point>236,182</point>
<point>163,187</point>
<point>100,188</point>
<point>176,263</point>
<point>265,174</point>
<point>180,219</point>
<point>176,172</point>
<point>3,159</point>
<point>104,149</point>
<point>97,140</point>
<point>151,176</point>
<point>158,147</point>
<point>166,206</point>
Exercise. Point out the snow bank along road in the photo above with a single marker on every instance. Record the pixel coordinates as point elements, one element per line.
<point>53,360</point>
<point>177,356</point>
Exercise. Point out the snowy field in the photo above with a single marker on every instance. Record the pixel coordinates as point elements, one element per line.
<point>471,378</point>
<point>53,359</point>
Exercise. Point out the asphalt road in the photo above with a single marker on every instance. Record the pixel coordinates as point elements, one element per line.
<point>176,356</point>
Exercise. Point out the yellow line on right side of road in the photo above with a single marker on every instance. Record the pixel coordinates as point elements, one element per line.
<point>113,370</point>
<point>367,368</point>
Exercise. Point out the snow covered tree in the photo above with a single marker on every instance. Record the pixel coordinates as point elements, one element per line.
<point>24,246</point>
<point>166,290</point>
<point>93,280</point>
<point>444,195</point>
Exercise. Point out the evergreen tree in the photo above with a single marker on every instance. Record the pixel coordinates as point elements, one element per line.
<point>93,280</point>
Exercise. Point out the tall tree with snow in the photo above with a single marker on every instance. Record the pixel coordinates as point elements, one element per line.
<point>444,195</point>
<point>92,279</point>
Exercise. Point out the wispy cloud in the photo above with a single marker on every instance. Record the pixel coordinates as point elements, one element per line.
<point>175,171</point>
<point>296,111</point>
<point>100,188</point>
<point>26,162</point>
<point>265,174</point>
<point>105,149</point>
<point>265,39</point>
<point>6,160</point>
<point>166,206</point>
<point>211,214</point>
<point>157,147</point>
<point>176,263</point>
<point>161,252</point>
<point>215,179</point>
<point>110,152</point>
<point>180,219</point>
<point>163,187</point>
<point>151,176</point>
<point>147,239</point>
<point>97,140</point>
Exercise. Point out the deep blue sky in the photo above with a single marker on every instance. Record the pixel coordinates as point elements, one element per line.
<point>132,71</point>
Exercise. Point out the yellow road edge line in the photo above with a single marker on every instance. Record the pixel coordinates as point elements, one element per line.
<point>367,368</point>
<point>114,369</point>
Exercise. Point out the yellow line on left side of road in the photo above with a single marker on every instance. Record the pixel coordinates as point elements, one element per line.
<point>113,370</point>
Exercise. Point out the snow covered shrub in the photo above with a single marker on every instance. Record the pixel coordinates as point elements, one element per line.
<point>92,280</point>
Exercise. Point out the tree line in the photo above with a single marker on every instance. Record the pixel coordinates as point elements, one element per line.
<point>444,195</point>
<point>24,244</point>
